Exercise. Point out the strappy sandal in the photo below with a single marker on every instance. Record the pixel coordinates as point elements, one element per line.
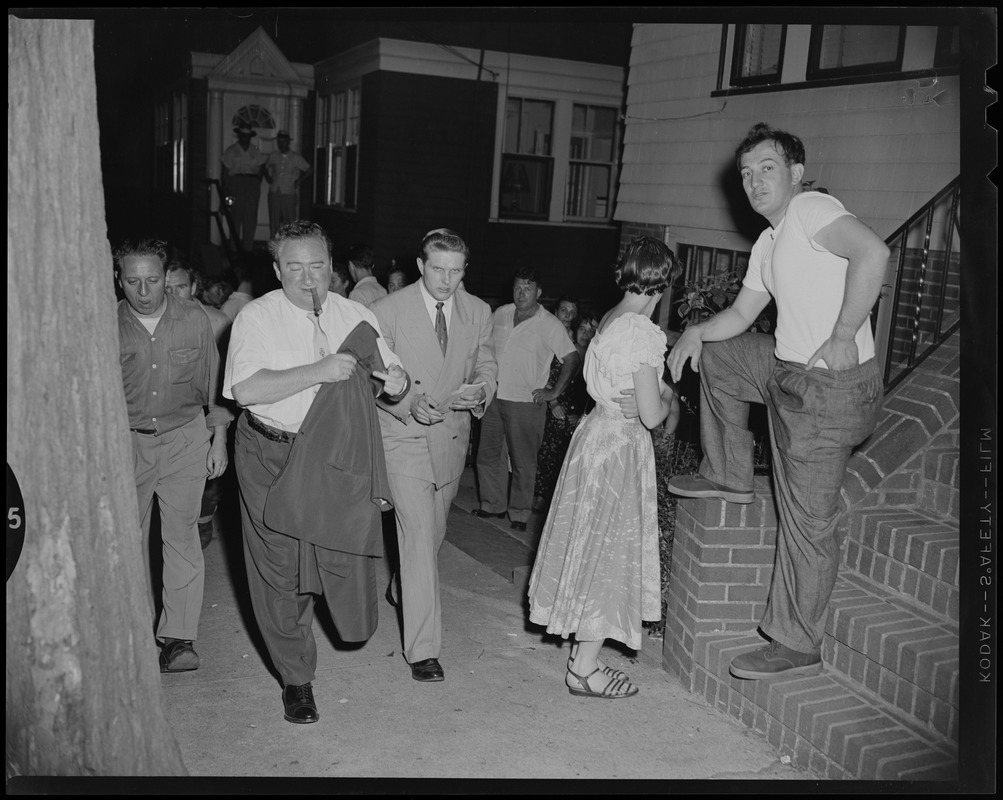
<point>608,671</point>
<point>611,691</point>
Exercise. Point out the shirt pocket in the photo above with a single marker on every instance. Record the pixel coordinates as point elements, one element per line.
<point>183,364</point>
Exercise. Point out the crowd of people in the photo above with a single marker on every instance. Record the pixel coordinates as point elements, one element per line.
<point>366,395</point>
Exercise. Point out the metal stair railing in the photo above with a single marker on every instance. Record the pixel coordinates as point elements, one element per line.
<point>924,307</point>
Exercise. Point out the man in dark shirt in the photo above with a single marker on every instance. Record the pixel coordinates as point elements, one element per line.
<point>170,367</point>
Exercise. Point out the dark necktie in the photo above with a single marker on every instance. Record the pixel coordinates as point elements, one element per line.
<point>440,327</point>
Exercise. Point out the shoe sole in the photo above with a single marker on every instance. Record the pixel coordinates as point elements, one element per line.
<point>580,693</point>
<point>300,721</point>
<point>174,667</point>
<point>741,498</point>
<point>438,679</point>
<point>753,675</point>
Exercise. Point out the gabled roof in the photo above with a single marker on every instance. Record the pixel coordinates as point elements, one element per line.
<point>257,60</point>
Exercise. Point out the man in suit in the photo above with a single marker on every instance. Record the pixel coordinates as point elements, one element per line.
<point>443,337</point>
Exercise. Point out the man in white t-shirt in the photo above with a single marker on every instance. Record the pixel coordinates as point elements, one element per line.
<point>818,378</point>
<point>526,339</point>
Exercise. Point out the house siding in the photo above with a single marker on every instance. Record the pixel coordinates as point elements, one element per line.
<point>884,149</point>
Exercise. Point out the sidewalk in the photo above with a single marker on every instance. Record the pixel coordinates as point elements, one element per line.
<point>502,712</point>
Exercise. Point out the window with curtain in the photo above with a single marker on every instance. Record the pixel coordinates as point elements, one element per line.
<point>590,169</point>
<point>527,165</point>
<point>759,54</point>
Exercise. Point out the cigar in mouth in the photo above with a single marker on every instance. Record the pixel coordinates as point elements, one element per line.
<point>316,302</point>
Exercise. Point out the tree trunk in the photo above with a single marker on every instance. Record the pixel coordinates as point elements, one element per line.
<point>83,685</point>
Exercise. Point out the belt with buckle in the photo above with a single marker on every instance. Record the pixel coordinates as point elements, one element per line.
<point>274,434</point>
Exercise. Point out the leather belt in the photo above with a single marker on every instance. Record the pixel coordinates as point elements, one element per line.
<point>273,434</point>
<point>147,431</point>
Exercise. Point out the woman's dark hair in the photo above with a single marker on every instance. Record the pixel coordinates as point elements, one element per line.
<point>646,266</point>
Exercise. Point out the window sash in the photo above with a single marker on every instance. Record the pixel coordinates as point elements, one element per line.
<point>847,50</point>
<point>337,151</point>
<point>758,55</point>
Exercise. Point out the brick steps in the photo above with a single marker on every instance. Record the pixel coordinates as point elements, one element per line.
<point>911,553</point>
<point>901,653</point>
<point>825,723</point>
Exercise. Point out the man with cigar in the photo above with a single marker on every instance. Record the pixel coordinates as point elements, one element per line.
<point>284,353</point>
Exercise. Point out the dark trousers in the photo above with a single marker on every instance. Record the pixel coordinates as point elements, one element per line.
<point>284,574</point>
<point>816,418</point>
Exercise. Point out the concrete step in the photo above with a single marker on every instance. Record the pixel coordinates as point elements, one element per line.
<point>910,553</point>
<point>826,723</point>
<point>899,652</point>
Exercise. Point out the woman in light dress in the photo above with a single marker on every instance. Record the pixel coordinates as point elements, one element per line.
<point>597,574</point>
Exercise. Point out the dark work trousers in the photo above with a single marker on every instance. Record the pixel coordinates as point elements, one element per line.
<point>816,419</point>
<point>284,574</point>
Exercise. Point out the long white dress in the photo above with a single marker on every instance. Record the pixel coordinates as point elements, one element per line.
<point>597,567</point>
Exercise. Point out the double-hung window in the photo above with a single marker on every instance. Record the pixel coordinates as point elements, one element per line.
<point>337,155</point>
<point>527,160</point>
<point>171,132</point>
<point>558,160</point>
<point>590,168</point>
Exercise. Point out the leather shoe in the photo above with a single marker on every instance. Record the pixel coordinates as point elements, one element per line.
<point>518,526</point>
<point>699,486</point>
<point>427,671</point>
<point>299,704</point>
<point>178,655</point>
<point>477,512</point>
<point>775,661</point>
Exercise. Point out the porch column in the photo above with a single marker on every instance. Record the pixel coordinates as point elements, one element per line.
<point>296,121</point>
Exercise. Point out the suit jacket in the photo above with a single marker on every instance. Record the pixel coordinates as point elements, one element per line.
<point>436,452</point>
<point>333,487</point>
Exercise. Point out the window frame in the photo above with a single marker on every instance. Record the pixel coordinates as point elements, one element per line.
<point>336,148</point>
<point>814,72</point>
<point>560,159</point>
<point>170,134</point>
<point>589,163</point>
<point>738,47</point>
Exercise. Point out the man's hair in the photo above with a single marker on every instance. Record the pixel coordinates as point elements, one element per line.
<point>294,231</point>
<point>362,256</point>
<point>144,247</point>
<point>526,274</point>
<point>567,298</point>
<point>645,267</point>
<point>340,268</point>
<point>787,144</point>
<point>215,291</point>
<point>442,240</point>
<point>194,276</point>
